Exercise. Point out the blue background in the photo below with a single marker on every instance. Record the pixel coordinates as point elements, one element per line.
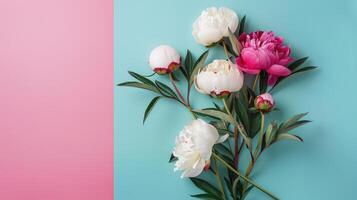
<point>323,167</point>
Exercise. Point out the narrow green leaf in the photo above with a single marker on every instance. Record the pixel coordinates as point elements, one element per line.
<point>236,188</point>
<point>270,133</point>
<point>255,120</point>
<point>183,71</point>
<point>207,187</point>
<point>141,78</point>
<point>166,90</point>
<point>228,185</point>
<point>198,65</point>
<point>139,85</point>
<point>223,150</point>
<point>304,69</point>
<point>150,107</point>
<point>234,42</point>
<point>242,113</point>
<point>246,192</point>
<point>188,63</point>
<point>215,114</point>
<point>241,26</point>
<point>292,120</point>
<point>205,196</point>
<point>263,82</point>
<point>294,125</point>
<point>297,63</point>
<point>286,136</point>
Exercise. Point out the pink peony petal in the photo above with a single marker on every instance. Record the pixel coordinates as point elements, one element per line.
<point>249,71</point>
<point>272,80</point>
<point>279,70</point>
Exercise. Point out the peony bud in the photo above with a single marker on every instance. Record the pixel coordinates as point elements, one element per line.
<point>194,147</point>
<point>164,59</point>
<point>219,79</point>
<point>264,102</point>
<point>212,25</point>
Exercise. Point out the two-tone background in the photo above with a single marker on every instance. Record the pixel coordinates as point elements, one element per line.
<point>67,133</point>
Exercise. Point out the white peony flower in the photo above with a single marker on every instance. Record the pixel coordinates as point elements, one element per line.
<point>194,147</point>
<point>164,59</point>
<point>213,23</point>
<point>219,78</point>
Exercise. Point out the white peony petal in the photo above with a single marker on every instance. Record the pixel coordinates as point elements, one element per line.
<point>193,172</point>
<point>213,24</point>
<point>222,138</point>
<point>219,76</point>
<point>162,56</point>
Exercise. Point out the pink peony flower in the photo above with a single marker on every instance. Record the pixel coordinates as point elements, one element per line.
<point>264,51</point>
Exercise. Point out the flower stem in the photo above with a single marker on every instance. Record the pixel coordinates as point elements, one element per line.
<point>236,148</point>
<point>256,152</point>
<point>243,177</point>
<point>219,180</point>
<point>177,90</point>
<point>236,124</point>
<point>254,86</point>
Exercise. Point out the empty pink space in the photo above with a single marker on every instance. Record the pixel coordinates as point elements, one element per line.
<point>56,100</point>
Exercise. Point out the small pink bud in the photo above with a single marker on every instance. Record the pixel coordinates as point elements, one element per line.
<point>264,102</point>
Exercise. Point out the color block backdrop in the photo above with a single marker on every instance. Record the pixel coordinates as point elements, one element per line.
<point>56,100</point>
<point>323,167</point>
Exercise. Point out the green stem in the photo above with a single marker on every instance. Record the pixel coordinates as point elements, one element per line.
<point>236,124</point>
<point>261,135</point>
<point>243,177</point>
<point>225,50</point>
<point>177,90</point>
<point>219,180</point>
<point>254,86</point>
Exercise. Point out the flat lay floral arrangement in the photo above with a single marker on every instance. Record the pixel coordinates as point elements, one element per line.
<point>222,135</point>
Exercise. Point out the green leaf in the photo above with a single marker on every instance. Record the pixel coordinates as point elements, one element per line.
<point>198,65</point>
<point>286,136</point>
<point>172,158</point>
<point>228,185</point>
<point>294,125</point>
<point>236,188</point>
<point>241,26</point>
<point>139,85</point>
<point>242,113</point>
<point>205,196</point>
<point>234,42</point>
<point>255,120</point>
<point>263,82</point>
<point>304,69</point>
<point>188,63</point>
<point>223,150</point>
<point>166,90</point>
<point>207,187</point>
<point>292,120</point>
<point>270,133</point>
<point>215,114</point>
<point>294,65</point>
<point>246,192</point>
<point>183,71</point>
<point>142,78</point>
<point>150,107</point>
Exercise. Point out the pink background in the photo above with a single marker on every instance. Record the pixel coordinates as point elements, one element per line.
<point>56,100</point>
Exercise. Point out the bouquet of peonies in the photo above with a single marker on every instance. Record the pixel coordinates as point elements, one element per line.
<point>214,141</point>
